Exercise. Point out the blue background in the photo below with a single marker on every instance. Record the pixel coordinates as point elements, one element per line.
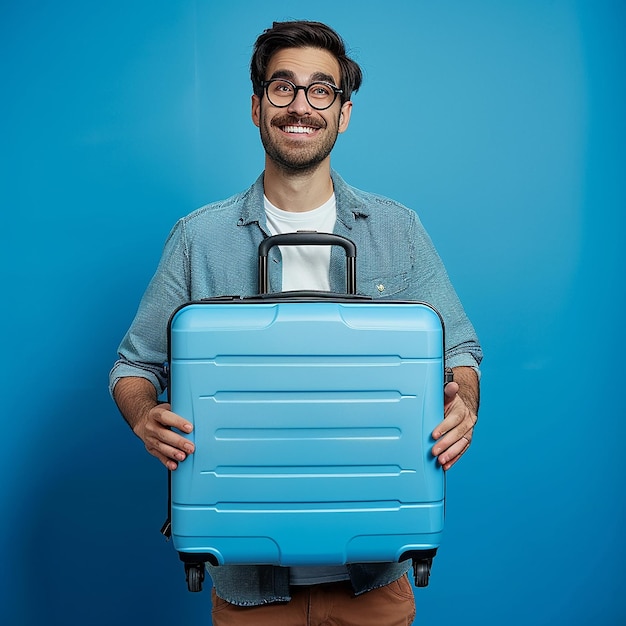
<point>501,123</point>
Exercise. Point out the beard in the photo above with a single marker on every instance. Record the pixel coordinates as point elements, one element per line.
<point>292,156</point>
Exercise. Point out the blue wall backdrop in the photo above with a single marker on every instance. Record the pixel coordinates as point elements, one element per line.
<point>501,123</point>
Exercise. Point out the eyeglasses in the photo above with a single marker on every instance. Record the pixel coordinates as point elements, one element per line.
<point>281,93</point>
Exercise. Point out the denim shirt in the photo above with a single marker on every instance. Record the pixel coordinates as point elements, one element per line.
<point>214,251</point>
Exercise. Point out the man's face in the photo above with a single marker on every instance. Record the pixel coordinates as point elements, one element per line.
<point>298,137</point>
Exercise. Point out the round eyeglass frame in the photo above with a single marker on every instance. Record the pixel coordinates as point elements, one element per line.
<point>266,85</point>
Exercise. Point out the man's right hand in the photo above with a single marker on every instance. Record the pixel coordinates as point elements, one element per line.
<point>156,431</point>
<point>152,422</point>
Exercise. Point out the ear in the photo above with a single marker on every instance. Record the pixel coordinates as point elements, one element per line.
<point>344,116</point>
<point>256,110</point>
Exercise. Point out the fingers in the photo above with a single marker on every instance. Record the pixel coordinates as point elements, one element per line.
<point>455,451</point>
<point>455,413</point>
<point>162,440</point>
<point>454,434</point>
<point>162,414</point>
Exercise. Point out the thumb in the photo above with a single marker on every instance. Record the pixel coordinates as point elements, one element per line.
<point>449,393</point>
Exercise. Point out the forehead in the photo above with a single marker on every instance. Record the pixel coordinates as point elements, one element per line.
<point>304,64</point>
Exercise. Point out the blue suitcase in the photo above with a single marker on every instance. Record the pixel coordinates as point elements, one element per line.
<point>312,417</point>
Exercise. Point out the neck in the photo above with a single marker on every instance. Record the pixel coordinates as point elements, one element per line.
<point>297,191</point>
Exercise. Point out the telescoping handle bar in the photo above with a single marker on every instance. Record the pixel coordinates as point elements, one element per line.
<point>308,238</point>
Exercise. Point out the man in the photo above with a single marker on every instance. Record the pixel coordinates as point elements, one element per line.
<point>302,81</point>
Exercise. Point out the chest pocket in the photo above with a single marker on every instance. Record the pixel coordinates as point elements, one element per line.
<point>383,286</point>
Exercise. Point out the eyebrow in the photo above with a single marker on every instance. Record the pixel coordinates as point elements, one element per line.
<point>315,77</point>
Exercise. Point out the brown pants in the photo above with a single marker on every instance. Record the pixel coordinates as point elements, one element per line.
<point>332,604</point>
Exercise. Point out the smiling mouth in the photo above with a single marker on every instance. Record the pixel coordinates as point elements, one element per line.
<point>298,130</point>
<point>294,126</point>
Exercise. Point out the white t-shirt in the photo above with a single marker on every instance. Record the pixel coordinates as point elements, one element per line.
<point>304,267</point>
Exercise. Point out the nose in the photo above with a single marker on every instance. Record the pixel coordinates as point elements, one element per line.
<point>300,105</point>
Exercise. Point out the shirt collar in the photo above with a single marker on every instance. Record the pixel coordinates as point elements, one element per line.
<point>349,206</point>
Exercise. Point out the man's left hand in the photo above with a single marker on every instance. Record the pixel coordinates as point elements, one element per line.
<point>454,434</point>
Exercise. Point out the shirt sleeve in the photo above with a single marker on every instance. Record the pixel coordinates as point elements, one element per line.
<point>462,347</point>
<point>143,350</point>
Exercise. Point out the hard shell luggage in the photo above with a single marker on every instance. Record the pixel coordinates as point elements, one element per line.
<point>312,415</point>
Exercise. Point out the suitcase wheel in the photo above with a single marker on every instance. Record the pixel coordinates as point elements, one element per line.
<point>421,570</point>
<point>194,573</point>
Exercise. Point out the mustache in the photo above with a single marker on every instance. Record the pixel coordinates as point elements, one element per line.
<point>290,120</point>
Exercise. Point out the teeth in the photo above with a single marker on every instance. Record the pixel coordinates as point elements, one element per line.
<point>298,129</point>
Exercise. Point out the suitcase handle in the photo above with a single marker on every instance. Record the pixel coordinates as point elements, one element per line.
<point>308,238</point>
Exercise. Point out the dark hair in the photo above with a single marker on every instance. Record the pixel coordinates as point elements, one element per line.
<point>302,34</point>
